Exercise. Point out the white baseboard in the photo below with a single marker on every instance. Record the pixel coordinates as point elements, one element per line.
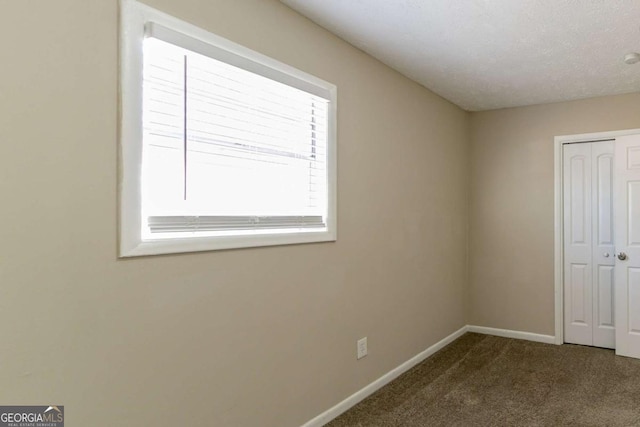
<point>547,339</point>
<point>368,390</point>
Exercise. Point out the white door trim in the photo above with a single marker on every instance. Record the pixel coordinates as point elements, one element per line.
<point>558,215</point>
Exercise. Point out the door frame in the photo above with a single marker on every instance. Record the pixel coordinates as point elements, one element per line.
<point>558,142</point>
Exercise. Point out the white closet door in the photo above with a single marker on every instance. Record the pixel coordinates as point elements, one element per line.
<point>603,257</point>
<point>578,268</point>
<point>588,244</point>
<point>627,237</point>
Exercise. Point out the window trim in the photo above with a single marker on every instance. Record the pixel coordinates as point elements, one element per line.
<point>134,16</point>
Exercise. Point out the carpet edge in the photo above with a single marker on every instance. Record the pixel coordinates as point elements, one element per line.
<point>385,379</point>
<point>508,333</point>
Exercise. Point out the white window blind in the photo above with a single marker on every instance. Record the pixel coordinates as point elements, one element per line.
<point>227,150</point>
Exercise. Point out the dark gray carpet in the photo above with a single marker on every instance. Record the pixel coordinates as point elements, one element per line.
<point>481,380</point>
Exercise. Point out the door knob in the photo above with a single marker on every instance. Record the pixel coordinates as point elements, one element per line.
<point>606,254</point>
<point>622,256</point>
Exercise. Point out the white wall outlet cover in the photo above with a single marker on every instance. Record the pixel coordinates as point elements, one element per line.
<point>362,347</point>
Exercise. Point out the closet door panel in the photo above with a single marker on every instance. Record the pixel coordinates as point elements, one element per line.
<point>627,239</point>
<point>603,256</point>
<point>578,230</point>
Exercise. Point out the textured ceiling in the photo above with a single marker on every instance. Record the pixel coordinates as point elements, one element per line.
<point>487,54</point>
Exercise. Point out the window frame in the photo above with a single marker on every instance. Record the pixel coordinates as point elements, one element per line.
<point>134,16</point>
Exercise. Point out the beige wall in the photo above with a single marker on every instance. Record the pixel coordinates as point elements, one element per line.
<point>256,337</point>
<point>511,209</point>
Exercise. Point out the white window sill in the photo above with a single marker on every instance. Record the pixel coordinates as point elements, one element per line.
<point>199,244</point>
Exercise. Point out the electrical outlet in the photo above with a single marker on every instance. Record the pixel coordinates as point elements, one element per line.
<point>362,347</point>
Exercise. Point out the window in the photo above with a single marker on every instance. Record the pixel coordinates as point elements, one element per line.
<point>221,147</point>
